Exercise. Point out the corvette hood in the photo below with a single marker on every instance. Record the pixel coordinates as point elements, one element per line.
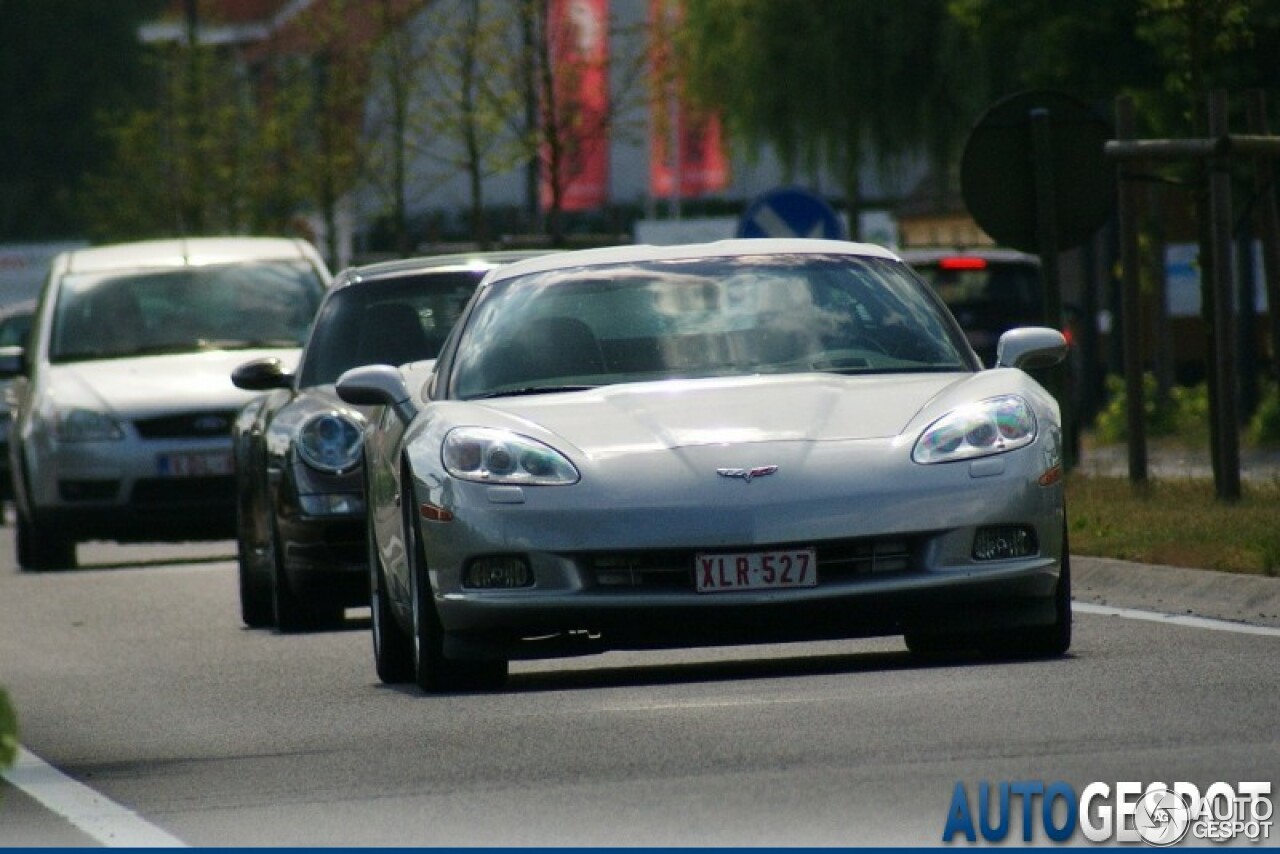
<point>810,407</point>
<point>156,384</point>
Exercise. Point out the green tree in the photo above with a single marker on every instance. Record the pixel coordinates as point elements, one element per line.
<point>470,91</point>
<point>835,84</point>
<point>63,63</point>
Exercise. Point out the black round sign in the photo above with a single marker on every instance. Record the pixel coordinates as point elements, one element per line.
<point>997,170</point>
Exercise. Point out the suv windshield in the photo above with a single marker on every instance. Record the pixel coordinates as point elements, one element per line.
<point>140,312</point>
<point>988,296</point>
<point>634,322</point>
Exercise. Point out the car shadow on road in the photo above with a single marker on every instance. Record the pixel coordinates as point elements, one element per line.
<point>826,664</point>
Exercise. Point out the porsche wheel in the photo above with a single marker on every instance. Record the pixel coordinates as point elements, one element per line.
<point>256,608</point>
<point>287,610</point>
<point>392,648</point>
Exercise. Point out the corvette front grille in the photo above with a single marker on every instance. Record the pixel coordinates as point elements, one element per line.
<point>672,569</point>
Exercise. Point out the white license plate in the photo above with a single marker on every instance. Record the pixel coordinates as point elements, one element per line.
<point>769,570</point>
<point>201,464</point>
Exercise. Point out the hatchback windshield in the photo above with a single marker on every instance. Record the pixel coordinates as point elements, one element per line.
<point>232,306</point>
<point>634,322</point>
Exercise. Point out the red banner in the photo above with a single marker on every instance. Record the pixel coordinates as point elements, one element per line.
<point>578,44</point>
<point>685,145</point>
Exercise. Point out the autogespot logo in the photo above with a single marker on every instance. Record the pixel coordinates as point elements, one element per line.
<point>1157,814</point>
<point>1162,816</point>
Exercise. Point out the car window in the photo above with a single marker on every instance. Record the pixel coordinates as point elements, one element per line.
<point>231,306</point>
<point>1004,289</point>
<point>387,322</point>
<point>709,317</point>
<point>14,330</point>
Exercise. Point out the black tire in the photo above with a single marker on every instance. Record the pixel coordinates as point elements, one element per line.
<point>392,647</point>
<point>431,669</point>
<point>256,607</point>
<point>40,549</point>
<point>287,612</point>
<point>291,614</point>
<point>1048,641</point>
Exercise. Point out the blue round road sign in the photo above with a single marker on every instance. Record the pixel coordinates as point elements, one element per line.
<point>791,212</point>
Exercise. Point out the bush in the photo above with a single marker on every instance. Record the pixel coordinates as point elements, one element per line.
<point>1264,428</point>
<point>1185,413</point>
<point>8,732</point>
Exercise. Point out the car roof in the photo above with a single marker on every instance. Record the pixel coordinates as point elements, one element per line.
<point>184,252</point>
<point>718,249</point>
<point>930,254</point>
<point>436,263</point>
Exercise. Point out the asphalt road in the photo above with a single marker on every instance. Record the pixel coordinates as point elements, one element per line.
<point>134,677</point>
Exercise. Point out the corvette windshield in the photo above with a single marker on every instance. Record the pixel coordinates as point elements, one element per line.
<point>739,315</point>
<point>228,306</point>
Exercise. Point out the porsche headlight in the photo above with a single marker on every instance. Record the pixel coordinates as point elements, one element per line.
<point>988,427</point>
<point>486,455</point>
<point>85,425</point>
<point>330,442</point>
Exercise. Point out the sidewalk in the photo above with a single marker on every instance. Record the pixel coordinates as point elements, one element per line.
<point>1257,464</point>
<point>1253,599</point>
<point>1175,590</point>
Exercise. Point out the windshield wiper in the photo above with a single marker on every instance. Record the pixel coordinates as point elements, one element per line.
<point>246,343</point>
<point>530,390</point>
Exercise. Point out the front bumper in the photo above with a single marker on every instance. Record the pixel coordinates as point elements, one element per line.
<point>326,560</point>
<point>923,519</point>
<point>535,626</point>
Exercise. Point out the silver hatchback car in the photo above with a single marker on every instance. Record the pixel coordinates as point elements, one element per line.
<point>123,398</point>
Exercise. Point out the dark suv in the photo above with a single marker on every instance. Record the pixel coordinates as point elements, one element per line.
<point>988,290</point>
<point>991,290</point>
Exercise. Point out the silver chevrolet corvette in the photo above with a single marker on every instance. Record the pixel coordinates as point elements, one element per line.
<point>738,442</point>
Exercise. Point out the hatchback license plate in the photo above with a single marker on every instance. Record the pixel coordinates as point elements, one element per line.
<point>771,570</point>
<point>206,464</point>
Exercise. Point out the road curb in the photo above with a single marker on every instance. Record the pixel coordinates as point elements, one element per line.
<point>1253,599</point>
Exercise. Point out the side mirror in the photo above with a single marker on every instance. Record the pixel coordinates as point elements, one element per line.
<point>13,362</point>
<point>1031,347</point>
<point>378,385</point>
<point>261,375</point>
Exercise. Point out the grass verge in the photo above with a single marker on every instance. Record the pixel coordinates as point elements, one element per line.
<point>1175,523</point>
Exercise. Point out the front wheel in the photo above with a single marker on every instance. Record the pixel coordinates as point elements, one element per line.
<point>291,613</point>
<point>432,670</point>
<point>1049,641</point>
<point>256,608</point>
<point>393,655</point>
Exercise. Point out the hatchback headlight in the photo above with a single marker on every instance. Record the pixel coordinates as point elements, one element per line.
<point>330,442</point>
<point>988,427</point>
<point>486,455</point>
<point>85,425</point>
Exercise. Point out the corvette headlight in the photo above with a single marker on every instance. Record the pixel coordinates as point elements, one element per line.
<point>486,455</point>
<point>85,425</point>
<point>988,427</point>
<point>330,442</point>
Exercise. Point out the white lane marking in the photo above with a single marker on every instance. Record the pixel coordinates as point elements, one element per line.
<point>1175,619</point>
<point>106,821</point>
